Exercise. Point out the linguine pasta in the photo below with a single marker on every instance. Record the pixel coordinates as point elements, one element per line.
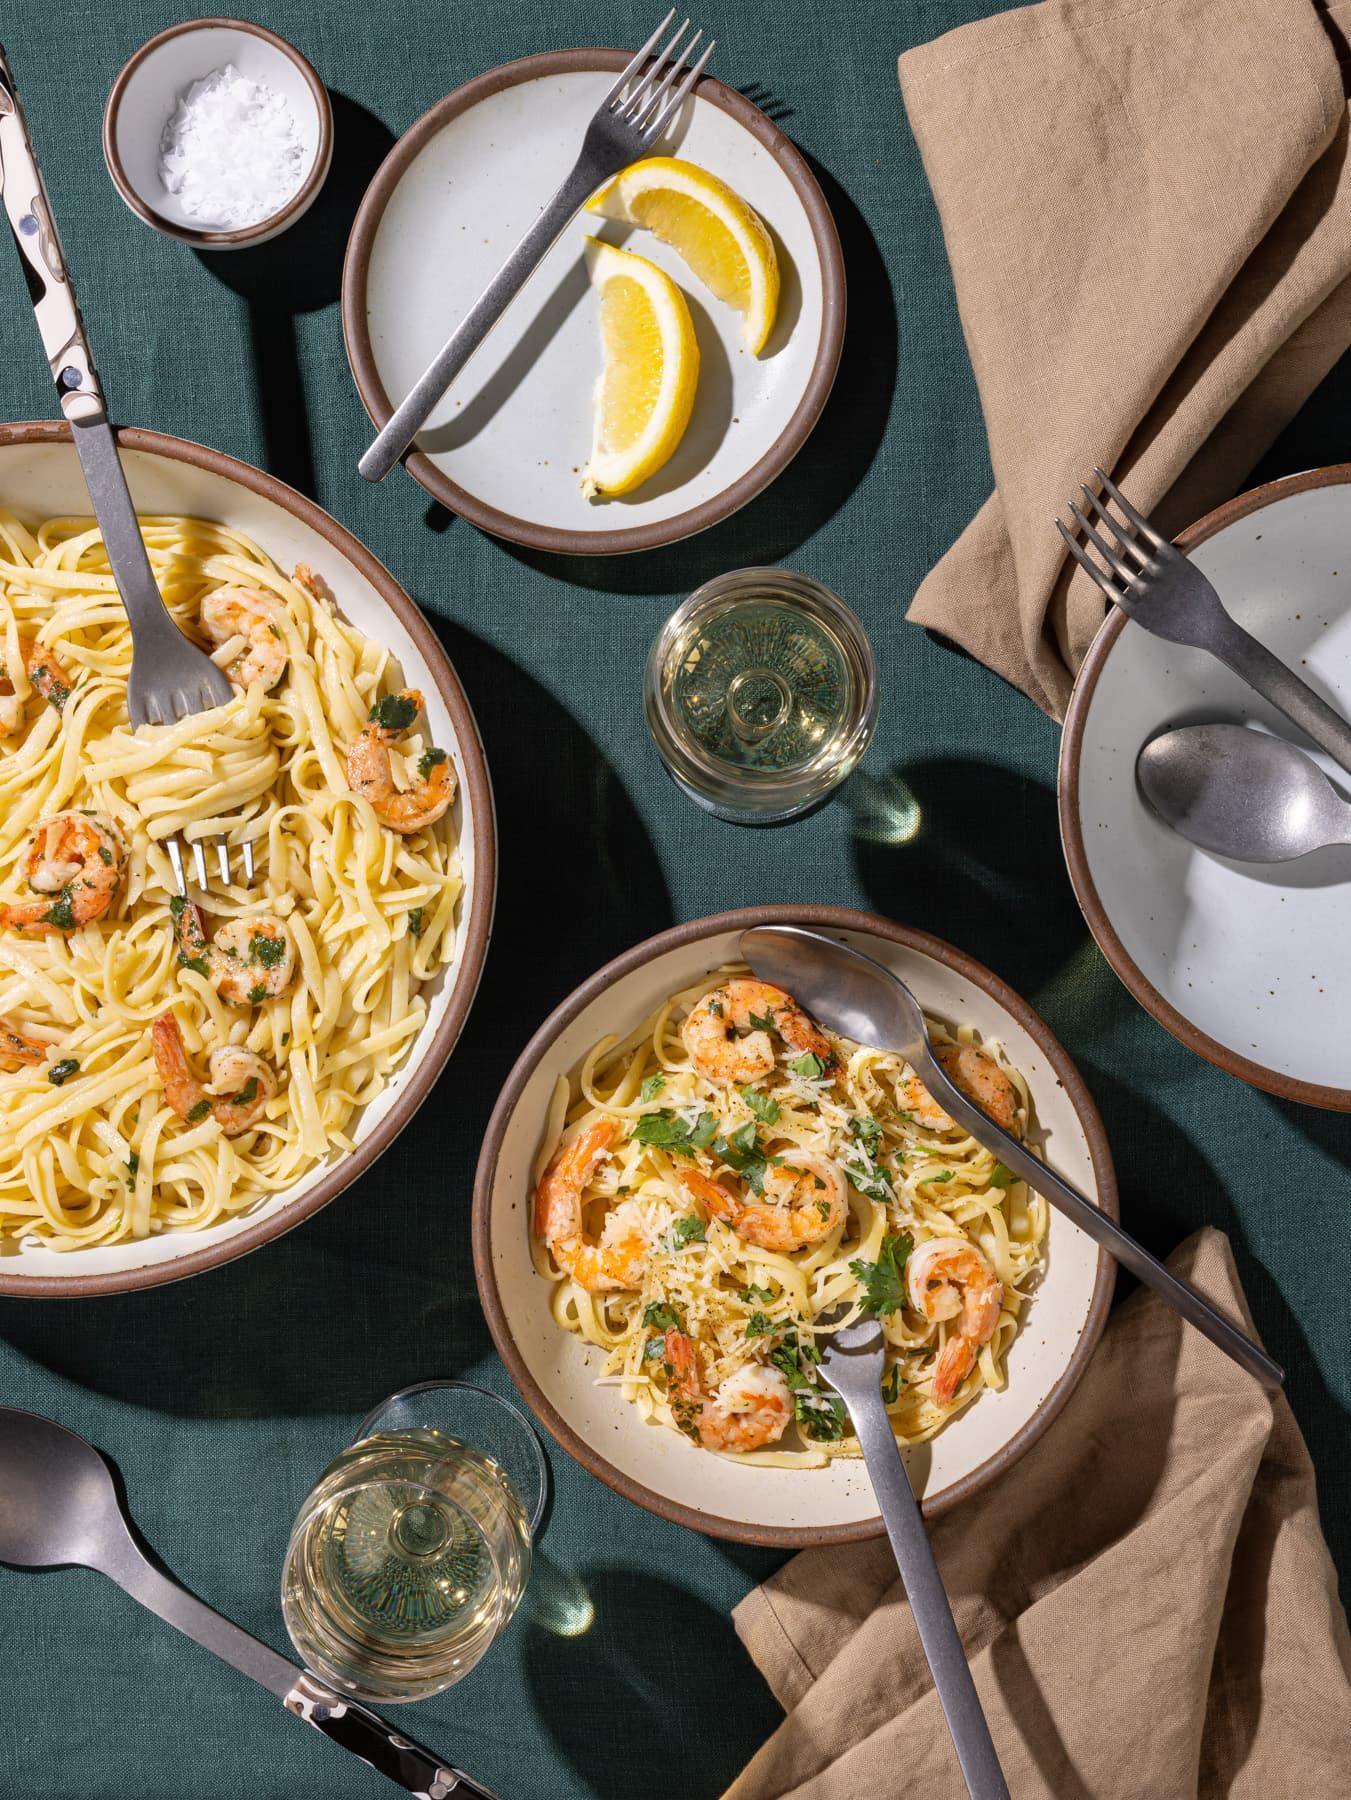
<point>697,1278</point>
<point>90,1152</point>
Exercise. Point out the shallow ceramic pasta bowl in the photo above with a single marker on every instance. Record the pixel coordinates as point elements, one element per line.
<point>1245,964</point>
<point>655,1467</point>
<point>40,478</point>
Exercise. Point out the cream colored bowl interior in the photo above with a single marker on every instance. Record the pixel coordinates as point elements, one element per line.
<point>40,481</point>
<point>665,1464</point>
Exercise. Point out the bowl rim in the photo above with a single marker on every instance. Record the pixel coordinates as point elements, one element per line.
<point>558,539</point>
<point>827,918</point>
<point>478,912</point>
<point>245,234</point>
<point>1256,1074</point>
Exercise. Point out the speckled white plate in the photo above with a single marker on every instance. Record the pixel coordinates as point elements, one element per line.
<point>507,444</point>
<point>1248,965</point>
<point>659,1469</point>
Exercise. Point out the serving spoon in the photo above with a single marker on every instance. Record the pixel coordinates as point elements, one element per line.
<point>860,999</point>
<point>59,1510</point>
<point>852,1362</point>
<point>1241,793</point>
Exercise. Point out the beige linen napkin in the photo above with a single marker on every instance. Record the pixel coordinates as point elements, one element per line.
<point>1147,209</point>
<point>1146,1598</point>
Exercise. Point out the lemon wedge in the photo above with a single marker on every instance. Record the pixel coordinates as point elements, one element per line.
<point>646,392</point>
<point>722,239</point>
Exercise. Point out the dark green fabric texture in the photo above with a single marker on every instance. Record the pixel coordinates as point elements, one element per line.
<point>221,1398</point>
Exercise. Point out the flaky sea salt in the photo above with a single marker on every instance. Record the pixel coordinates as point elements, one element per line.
<point>232,151</point>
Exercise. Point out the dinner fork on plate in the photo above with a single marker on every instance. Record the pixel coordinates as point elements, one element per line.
<point>628,121</point>
<point>171,677</point>
<point>1163,590</point>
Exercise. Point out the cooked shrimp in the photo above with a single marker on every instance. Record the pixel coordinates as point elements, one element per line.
<point>75,863</point>
<point>312,582</point>
<point>241,1083</point>
<point>619,1260</point>
<point>17,1051</point>
<point>751,1408</point>
<point>730,1034</point>
<point>239,612</point>
<point>371,775</point>
<point>979,1077</point>
<point>804,1200</point>
<point>950,1279</point>
<point>250,960</point>
<point>46,675</point>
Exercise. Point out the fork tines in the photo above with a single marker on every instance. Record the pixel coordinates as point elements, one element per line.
<point>198,848</point>
<point>1136,539</point>
<point>654,100</point>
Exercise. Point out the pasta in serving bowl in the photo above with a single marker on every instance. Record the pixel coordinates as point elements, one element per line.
<point>685,1171</point>
<point>184,1081</point>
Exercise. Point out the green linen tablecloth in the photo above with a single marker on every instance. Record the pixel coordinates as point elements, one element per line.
<point>221,1398</point>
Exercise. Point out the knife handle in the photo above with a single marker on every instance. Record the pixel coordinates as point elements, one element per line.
<point>44,266</point>
<point>388,1752</point>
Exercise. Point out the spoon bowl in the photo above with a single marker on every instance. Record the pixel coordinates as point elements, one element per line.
<point>58,1505</point>
<point>1240,793</point>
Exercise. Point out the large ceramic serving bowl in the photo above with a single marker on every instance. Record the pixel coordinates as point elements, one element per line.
<point>1244,963</point>
<point>40,478</point>
<point>659,1469</point>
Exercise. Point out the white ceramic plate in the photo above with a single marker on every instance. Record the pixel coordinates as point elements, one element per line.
<point>506,445</point>
<point>1247,965</point>
<point>659,1469</point>
<point>40,478</point>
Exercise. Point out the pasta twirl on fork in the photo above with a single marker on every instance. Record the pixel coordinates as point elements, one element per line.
<point>712,1185</point>
<point>159,1070</point>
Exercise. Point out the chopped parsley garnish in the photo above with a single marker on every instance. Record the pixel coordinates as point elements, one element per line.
<point>133,1164</point>
<point>176,905</point>
<point>809,1066</point>
<point>689,1230</point>
<point>62,914</point>
<point>867,1132</point>
<point>822,1416</point>
<point>823,1207</point>
<point>659,1315</point>
<point>197,1113</point>
<point>666,1131</point>
<point>765,1109</point>
<point>198,964</point>
<point>763,1022</point>
<point>885,1278</point>
<point>266,950</point>
<point>257,995</point>
<point>652,1087</point>
<point>653,1349</point>
<point>742,1153</point>
<point>106,855</point>
<point>1001,1176</point>
<point>61,1072</point>
<point>941,1176</point>
<point>428,761</point>
<point>872,1182</point>
<point>752,1292</point>
<point>247,1094</point>
<point>394,712</point>
<point>892,1384</point>
<point>758,1325</point>
<point>415,921</point>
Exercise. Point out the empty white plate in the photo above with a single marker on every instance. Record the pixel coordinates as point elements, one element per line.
<point>1249,965</point>
<point>507,444</point>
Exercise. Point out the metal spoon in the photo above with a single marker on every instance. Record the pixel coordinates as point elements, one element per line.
<point>59,1509</point>
<point>860,999</point>
<point>852,1363</point>
<point>1241,793</point>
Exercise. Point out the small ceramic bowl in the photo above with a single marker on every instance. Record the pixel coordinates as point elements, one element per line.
<point>146,92</point>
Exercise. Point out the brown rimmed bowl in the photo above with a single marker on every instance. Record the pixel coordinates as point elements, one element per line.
<point>505,447</point>
<point>1245,964</point>
<point>40,478</point>
<point>147,90</point>
<point>657,1468</point>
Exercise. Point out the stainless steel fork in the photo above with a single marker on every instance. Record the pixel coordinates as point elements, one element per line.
<point>1163,590</point>
<point>626,125</point>
<point>171,676</point>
